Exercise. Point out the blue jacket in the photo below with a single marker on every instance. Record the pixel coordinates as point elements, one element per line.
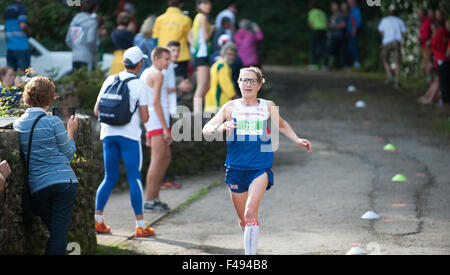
<point>354,18</point>
<point>16,39</point>
<point>51,150</point>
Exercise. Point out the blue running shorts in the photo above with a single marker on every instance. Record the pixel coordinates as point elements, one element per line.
<point>239,181</point>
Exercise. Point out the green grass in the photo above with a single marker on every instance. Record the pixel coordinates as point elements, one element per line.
<point>114,250</point>
<point>199,195</point>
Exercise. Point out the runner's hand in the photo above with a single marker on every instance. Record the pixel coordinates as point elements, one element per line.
<point>227,126</point>
<point>167,136</point>
<point>303,143</point>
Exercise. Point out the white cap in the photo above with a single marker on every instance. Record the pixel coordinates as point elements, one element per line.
<point>134,55</point>
<point>224,39</point>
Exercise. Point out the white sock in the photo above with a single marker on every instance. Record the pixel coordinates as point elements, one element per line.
<point>251,236</point>
<point>99,218</point>
<point>141,224</point>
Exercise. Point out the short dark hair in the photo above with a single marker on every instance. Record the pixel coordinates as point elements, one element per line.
<point>175,3</point>
<point>174,44</point>
<point>131,66</point>
<point>88,5</point>
<point>123,18</point>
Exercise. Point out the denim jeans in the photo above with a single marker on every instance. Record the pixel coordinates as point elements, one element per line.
<point>18,59</point>
<point>54,205</point>
<point>353,47</point>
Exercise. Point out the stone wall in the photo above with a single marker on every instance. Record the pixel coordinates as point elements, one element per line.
<point>82,225</point>
<point>189,157</point>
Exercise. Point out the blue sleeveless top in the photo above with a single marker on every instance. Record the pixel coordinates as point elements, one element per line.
<point>249,145</point>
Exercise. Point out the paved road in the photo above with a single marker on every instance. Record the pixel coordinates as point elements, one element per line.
<point>318,199</point>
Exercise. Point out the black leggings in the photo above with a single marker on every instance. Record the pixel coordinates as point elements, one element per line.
<point>444,79</point>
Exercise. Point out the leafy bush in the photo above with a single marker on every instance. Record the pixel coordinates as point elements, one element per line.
<point>80,89</point>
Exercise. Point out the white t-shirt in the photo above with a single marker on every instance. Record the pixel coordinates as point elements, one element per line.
<point>170,80</point>
<point>138,95</point>
<point>392,28</point>
<point>223,14</point>
<point>153,122</point>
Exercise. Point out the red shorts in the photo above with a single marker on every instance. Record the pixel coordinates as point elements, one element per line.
<point>154,133</point>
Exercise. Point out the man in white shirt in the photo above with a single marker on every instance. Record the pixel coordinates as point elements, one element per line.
<point>393,31</point>
<point>124,142</point>
<point>230,12</point>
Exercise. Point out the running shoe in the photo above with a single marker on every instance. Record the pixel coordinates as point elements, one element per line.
<point>168,185</point>
<point>102,228</point>
<point>144,232</point>
<point>156,206</point>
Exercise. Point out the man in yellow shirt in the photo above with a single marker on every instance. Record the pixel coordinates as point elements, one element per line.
<point>317,21</point>
<point>222,88</point>
<point>173,25</point>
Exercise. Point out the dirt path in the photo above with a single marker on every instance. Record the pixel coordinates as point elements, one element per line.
<point>318,199</point>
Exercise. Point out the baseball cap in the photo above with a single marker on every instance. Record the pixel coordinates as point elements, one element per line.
<point>224,39</point>
<point>133,56</point>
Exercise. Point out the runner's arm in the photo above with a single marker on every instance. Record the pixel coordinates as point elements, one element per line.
<point>216,123</point>
<point>286,128</point>
<point>157,86</point>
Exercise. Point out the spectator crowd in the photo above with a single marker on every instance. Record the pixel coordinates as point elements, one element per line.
<point>154,65</point>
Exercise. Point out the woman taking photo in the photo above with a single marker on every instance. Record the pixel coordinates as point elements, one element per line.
<point>52,182</point>
<point>250,155</point>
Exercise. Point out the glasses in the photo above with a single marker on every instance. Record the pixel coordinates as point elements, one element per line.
<point>246,81</point>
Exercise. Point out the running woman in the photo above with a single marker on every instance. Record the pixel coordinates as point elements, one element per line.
<point>199,37</point>
<point>249,159</point>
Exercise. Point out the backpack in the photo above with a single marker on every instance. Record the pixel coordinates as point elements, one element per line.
<point>114,104</point>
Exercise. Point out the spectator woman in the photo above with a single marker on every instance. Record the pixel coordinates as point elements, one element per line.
<point>52,182</point>
<point>145,42</point>
<point>122,39</point>
<point>247,39</point>
<point>8,93</point>
<point>439,44</point>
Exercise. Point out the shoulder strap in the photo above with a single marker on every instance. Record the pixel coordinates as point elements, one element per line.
<point>31,139</point>
<point>126,82</point>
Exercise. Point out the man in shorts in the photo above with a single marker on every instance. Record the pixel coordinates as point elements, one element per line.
<point>393,31</point>
<point>159,136</point>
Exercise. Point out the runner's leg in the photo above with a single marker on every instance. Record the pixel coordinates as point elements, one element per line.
<point>156,172</point>
<point>255,195</point>
<point>239,202</point>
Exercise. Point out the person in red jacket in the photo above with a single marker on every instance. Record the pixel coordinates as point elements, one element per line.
<point>424,38</point>
<point>439,45</point>
<point>432,93</point>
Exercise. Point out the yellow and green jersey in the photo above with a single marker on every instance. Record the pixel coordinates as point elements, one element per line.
<point>201,47</point>
<point>222,89</point>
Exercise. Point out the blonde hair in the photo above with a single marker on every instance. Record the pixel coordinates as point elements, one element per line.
<point>147,26</point>
<point>158,51</point>
<point>257,71</point>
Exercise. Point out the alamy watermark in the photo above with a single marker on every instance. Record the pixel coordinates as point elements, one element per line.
<point>74,248</point>
<point>373,3</point>
<point>72,3</point>
<point>184,122</point>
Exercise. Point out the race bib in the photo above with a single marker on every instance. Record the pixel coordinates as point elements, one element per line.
<point>249,126</point>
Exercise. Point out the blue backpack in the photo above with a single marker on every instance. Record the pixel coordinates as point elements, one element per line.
<point>114,104</point>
